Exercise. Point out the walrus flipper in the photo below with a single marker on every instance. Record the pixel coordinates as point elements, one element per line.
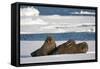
<point>35,53</point>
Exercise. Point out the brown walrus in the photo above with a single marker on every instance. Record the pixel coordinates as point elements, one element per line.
<point>67,47</point>
<point>48,46</point>
<point>82,47</point>
<point>70,47</point>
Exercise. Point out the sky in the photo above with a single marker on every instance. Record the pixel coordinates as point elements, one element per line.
<point>41,10</point>
<point>54,19</point>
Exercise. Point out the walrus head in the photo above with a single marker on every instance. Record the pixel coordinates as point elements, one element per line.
<point>49,40</point>
<point>82,47</point>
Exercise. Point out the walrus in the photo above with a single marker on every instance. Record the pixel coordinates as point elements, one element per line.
<point>70,47</point>
<point>48,46</point>
<point>67,47</point>
<point>82,47</point>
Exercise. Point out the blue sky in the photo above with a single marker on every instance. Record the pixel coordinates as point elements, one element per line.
<point>62,11</point>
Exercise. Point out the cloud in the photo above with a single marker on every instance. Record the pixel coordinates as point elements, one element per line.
<point>84,12</point>
<point>34,22</point>
<point>29,11</point>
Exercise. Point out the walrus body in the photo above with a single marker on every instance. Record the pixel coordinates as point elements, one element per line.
<point>48,46</point>
<point>65,48</point>
<point>71,47</point>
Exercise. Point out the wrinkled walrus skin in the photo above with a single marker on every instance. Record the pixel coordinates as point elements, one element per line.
<point>65,48</point>
<point>70,47</point>
<point>48,46</point>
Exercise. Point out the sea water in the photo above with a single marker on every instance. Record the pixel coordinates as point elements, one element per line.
<point>59,36</point>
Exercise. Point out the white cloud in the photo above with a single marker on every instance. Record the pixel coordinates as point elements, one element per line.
<point>84,12</point>
<point>29,11</point>
<point>33,22</point>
